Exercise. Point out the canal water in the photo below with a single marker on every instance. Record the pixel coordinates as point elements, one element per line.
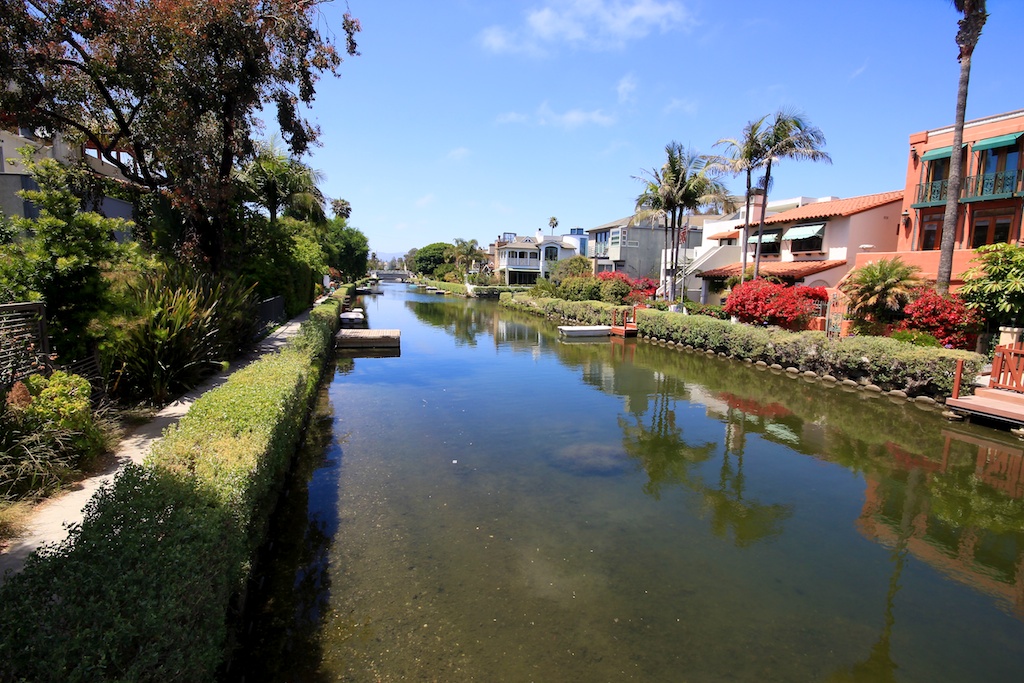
<point>497,505</point>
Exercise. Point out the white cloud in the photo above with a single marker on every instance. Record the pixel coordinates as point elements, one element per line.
<point>859,71</point>
<point>591,24</point>
<point>512,117</point>
<point>688,107</point>
<point>458,154</point>
<point>625,88</point>
<point>572,118</point>
<point>424,201</point>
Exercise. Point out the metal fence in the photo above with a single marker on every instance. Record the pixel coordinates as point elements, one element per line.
<point>24,345</point>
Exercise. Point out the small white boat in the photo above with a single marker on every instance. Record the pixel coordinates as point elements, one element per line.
<point>585,330</point>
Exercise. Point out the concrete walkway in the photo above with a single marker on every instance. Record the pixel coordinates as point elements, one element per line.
<point>48,522</point>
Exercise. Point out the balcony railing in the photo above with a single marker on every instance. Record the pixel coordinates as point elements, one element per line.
<point>932,192</point>
<point>519,263</point>
<point>988,184</point>
<point>600,250</point>
<point>998,184</point>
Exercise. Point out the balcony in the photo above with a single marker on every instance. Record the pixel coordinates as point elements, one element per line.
<point>530,263</point>
<point>600,250</point>
<point>991,185</point>
<point>931,194</point>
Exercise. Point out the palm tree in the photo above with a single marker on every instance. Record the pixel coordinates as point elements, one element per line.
<point>552,223</point>
<point>974,16</point>
<point>341,208</point>
<point>788,136</point>
<point>687,182</point>
<point>879,290</point>
<point>745,155</point>
<point>463,252</point>
<point>277,182</point>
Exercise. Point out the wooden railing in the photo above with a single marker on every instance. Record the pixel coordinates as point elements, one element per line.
<point>1008,368</point>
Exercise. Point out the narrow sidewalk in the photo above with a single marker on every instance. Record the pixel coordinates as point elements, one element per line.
<point>48,523</point>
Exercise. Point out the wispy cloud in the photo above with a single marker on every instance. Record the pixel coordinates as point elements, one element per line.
<point>458,154</point>
<point>424,201</point>
<point>512,117</point>
<point>589,24</point>
<point>573,118</point>
<point>688,107</point>
<point>625,88</point>
<point>857,72</point>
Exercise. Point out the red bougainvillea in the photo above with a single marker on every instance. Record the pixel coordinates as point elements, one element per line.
<point>760,302</point>
<point>944,317</point>
<point>640,290</point>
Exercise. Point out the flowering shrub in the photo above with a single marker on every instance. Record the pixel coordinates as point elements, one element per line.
<point>946,318</point>
<point>639,290</point>
<point>766,303</point>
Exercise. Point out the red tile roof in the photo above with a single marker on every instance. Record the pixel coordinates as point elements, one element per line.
<point>791,270</point>
<point>838,207</point>
<point>727,235</point>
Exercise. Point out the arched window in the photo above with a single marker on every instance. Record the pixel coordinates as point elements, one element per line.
<point>550,253</point>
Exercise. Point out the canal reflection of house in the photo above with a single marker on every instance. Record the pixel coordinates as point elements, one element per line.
<point>974,548</point>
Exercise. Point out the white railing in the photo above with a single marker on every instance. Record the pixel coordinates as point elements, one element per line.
<point>519,263</point>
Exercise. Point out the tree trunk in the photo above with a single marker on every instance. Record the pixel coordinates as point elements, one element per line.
<point>967,39</point>
<point>744,233</point>
<point>760,226</point>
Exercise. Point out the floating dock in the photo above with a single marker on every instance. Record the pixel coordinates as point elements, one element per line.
<point>368,339</point>
<point>584,330</point>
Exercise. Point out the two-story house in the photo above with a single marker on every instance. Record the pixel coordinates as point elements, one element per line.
<point>815,244</point>
<point>521,260</point>
<point>633,249</point>
<point>989,204</point>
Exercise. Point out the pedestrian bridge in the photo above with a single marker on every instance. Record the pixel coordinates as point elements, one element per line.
<point>391,275</point>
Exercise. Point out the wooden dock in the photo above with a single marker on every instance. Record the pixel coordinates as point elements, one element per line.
<point>368,339</point>
<point>1003,398</point>
<point>624,322</point>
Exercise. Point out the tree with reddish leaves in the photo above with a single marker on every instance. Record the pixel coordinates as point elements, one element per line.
<point>168,91</point>
<point>760,302</point>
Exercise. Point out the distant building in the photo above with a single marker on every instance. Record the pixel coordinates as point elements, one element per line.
<point>620,246</point>
<point>521,260</point>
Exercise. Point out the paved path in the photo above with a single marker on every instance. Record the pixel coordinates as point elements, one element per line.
<point>48,522</point>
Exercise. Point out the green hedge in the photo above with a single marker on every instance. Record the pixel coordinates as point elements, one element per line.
<point>143,589</point>
<point>885,362</point>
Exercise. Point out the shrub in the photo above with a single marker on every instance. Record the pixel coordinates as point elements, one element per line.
<point>916,337</point>
<point>580,288</point>
<point>767,303</point>
<point>879,290</point>
<point>995,286</point>
<point>615,290</point>
<point>710,310</point>
<point>946,318</point>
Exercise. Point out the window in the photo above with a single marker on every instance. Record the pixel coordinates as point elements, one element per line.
<point>931,228</point>
<point>805,237</point>
<point>550,253</point>
<point>616,237</point>
<point>771,243</point>
<point>997,171</point>
<point>990,227</point>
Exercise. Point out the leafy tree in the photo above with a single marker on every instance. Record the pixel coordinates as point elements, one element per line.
<point>430,257</point>
<point>169,92</point>
<point>879,290</point>
<point>788,136</point>
<point>768,303</point>
<point>570,267</point>
<point>347,249</point>
<point>974,17</point>
<point>995,286</point>
<point>946,318</point>
<point>464,252</point>
<point>61,258</point>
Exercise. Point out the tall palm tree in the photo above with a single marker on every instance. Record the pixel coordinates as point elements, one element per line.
<point>788,136</point>
<point>746,155</point>
<point>552,223</point>
<point>342,208</point>
<point>687,182</point>
<point>974,16</point>
<point>463,252</point>
<point>649,207</point>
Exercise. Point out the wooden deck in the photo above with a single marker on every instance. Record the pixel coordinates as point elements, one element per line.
<point>1003,398</point>
<point>368,339</point>
<point>624,322</point>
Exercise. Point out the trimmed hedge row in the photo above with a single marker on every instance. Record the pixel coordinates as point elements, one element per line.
<point>144,588</point>
<point>881,361</point>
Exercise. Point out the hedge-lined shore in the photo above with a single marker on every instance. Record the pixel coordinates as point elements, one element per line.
<point>147,587</point>
<point>876,363</point>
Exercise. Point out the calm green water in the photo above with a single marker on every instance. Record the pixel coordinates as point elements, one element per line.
<point>495,505</point>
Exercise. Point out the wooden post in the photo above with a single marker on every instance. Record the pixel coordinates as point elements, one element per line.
<point>957,378</point>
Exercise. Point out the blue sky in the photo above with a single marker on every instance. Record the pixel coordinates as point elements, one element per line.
<point>470,118</point>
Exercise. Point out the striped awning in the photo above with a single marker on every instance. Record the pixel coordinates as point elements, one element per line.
<point>802,232</point>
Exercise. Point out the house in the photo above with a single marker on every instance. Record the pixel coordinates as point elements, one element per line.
<point>815,244</point>
<point>721,238</point>
<point>989,202</point>
<point>14,176</point>
<point>520,260</point>
<point>621,246</point>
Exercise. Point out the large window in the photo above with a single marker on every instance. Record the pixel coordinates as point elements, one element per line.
<point>990,227</point>
<point>771,243</point>
<point>550,253</point>
<point>997,171</point>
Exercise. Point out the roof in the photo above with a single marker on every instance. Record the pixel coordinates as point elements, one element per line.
<point>622,223</point>
<point>838,207</point>
<point>790,270</point>
<point>727,235</point>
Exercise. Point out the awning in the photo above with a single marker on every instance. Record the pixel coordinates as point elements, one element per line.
<point>939,153</point>
<point>802,232</point>
<point>769,237</point>
<point>999,141</point>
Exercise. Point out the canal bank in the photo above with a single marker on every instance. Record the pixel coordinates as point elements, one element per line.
<point>144,587</point>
